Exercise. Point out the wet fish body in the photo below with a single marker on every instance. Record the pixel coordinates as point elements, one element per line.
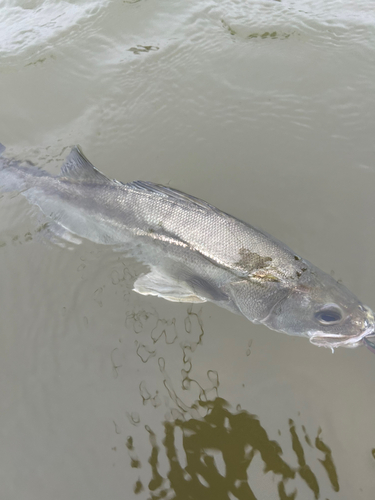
<point>195,252</point>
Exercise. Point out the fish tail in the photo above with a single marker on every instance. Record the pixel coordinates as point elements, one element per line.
<point>17,176</point>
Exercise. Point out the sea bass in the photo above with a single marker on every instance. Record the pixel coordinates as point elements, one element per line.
<point>194,251</point>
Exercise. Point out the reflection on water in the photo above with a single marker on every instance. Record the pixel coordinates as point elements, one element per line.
<point>211,451</point>
<point>142,48</point>
<point>219,449</point>
<point>266,34</point>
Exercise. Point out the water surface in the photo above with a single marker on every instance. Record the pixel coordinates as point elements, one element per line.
<point>265,109</point>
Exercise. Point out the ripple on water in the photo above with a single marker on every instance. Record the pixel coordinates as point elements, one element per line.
<point>27,25</point>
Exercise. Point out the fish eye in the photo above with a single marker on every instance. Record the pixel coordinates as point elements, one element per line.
<point>330,314</point>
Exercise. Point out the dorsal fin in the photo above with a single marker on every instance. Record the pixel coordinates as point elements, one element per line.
<point>2,149</point>
<point>174,194</point>
<point>78,167</point>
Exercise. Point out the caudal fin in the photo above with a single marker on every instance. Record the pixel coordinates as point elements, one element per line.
<point>17,176</point>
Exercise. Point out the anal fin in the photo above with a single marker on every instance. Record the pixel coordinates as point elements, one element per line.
<point>57,234</point>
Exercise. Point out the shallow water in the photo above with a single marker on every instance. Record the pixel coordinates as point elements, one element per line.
<point>264,109</point>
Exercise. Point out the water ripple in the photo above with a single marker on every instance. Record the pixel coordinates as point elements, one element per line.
<point>28,25</point>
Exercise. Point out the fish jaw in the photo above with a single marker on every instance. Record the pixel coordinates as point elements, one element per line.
<point>369,342</point>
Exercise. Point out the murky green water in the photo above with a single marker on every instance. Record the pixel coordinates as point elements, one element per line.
<point>264,109</point>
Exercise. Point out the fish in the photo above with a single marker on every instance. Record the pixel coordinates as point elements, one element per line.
<point>193,251</point>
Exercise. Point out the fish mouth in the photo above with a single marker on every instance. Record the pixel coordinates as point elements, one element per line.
<point>334,340</point>
<point>369,339</point>
<point>369,342</point>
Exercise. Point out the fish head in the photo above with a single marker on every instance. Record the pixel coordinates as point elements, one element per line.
<point>325,311</point>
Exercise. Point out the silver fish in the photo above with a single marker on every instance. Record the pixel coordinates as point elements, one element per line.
<point>194,251</point>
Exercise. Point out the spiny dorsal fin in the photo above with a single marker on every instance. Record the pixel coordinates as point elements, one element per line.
<point>78,167</point>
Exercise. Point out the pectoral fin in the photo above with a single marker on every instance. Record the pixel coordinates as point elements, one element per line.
<point>162,285</point>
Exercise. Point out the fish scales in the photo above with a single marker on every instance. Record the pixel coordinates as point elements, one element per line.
<point>215,234</point>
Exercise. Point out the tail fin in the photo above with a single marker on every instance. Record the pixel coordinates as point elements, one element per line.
<point>15,176</point>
